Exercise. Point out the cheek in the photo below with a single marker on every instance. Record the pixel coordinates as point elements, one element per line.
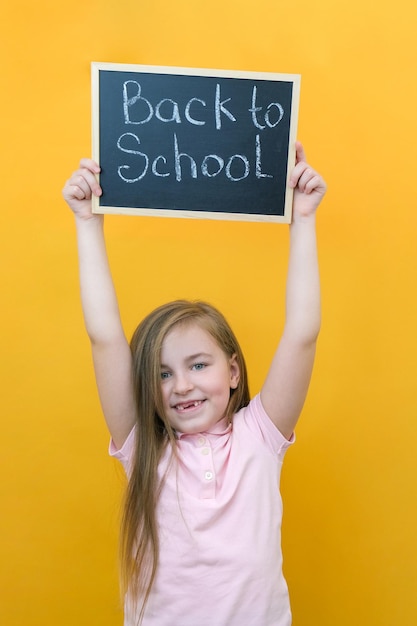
<point>223,385</point>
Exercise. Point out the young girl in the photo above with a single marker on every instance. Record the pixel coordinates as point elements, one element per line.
<point>201,528</point>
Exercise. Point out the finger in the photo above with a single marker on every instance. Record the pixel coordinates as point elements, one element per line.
<point>91,165</point>
<point>87,181</point>
<point>312,184</point>
<point>305,178</point>
<point>300,154</point>
<point>308,180</point>
<point>76,192</point>
<point>297,173</point>
<point>76,188</point>
<point>89,169</point>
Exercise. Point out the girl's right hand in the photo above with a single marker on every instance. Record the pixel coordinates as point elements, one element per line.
<point>80,187</point>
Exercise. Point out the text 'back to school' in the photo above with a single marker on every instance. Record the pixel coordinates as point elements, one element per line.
<point>180,162</point>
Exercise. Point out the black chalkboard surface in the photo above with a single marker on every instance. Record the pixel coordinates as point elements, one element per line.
<point>194,143</point>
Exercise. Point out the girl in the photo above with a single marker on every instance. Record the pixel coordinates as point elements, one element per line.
<point>201,528</point>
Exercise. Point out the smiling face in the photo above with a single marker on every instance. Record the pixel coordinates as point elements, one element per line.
<point>196,379</point>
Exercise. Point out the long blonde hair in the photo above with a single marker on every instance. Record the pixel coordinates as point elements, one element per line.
<point>139,544</point>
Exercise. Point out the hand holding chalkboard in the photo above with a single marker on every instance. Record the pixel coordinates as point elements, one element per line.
<point>81,187</point>
<point>188,143</point>
<point>309,187</point>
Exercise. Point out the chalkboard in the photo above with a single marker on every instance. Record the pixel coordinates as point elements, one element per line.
<point>194,143</point>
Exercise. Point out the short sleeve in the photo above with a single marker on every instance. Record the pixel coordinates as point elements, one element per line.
<point>259,422</point>
<point>125,453</point>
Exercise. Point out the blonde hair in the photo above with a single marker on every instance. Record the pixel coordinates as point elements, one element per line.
<point>139,544</point>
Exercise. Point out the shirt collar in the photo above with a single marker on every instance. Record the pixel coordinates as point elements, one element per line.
<point>217,430</point>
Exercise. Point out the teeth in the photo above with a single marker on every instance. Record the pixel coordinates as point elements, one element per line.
<point>187,405</point>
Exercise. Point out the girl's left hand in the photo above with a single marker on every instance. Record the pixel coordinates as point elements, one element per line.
<point>309,187</point>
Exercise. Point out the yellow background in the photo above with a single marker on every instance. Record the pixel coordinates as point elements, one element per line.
<point>350,483</point>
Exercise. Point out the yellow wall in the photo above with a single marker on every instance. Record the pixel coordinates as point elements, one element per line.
<point>349,484</point>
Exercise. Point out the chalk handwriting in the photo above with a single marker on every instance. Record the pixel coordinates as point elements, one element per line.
<point>219,108</point>
<point>236,167</point>
<point>188,116</point>
<point>139,110</point>
<point>129,102</point>
<point>255,109</point>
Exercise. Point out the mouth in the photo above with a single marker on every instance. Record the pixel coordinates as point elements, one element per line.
<point>188,406</point>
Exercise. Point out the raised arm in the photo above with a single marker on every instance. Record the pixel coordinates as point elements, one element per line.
<point>287,382</point>
<point>111,353</point>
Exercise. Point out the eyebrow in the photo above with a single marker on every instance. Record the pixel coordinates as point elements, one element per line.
<point>193,357</point>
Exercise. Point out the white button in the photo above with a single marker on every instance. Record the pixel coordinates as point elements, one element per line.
<point>201,441</point>
<point>208,475</point>
<point>205,451</point>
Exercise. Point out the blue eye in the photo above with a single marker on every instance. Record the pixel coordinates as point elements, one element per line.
<point>165,375</point>
<point>198,366</point>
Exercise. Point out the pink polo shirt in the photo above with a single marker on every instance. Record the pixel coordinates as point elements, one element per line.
<point>219,520</point>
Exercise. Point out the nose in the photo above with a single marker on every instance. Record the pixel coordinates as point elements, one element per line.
<point>182,383</point>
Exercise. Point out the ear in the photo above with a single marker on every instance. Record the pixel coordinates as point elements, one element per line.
<point>234,372</point>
